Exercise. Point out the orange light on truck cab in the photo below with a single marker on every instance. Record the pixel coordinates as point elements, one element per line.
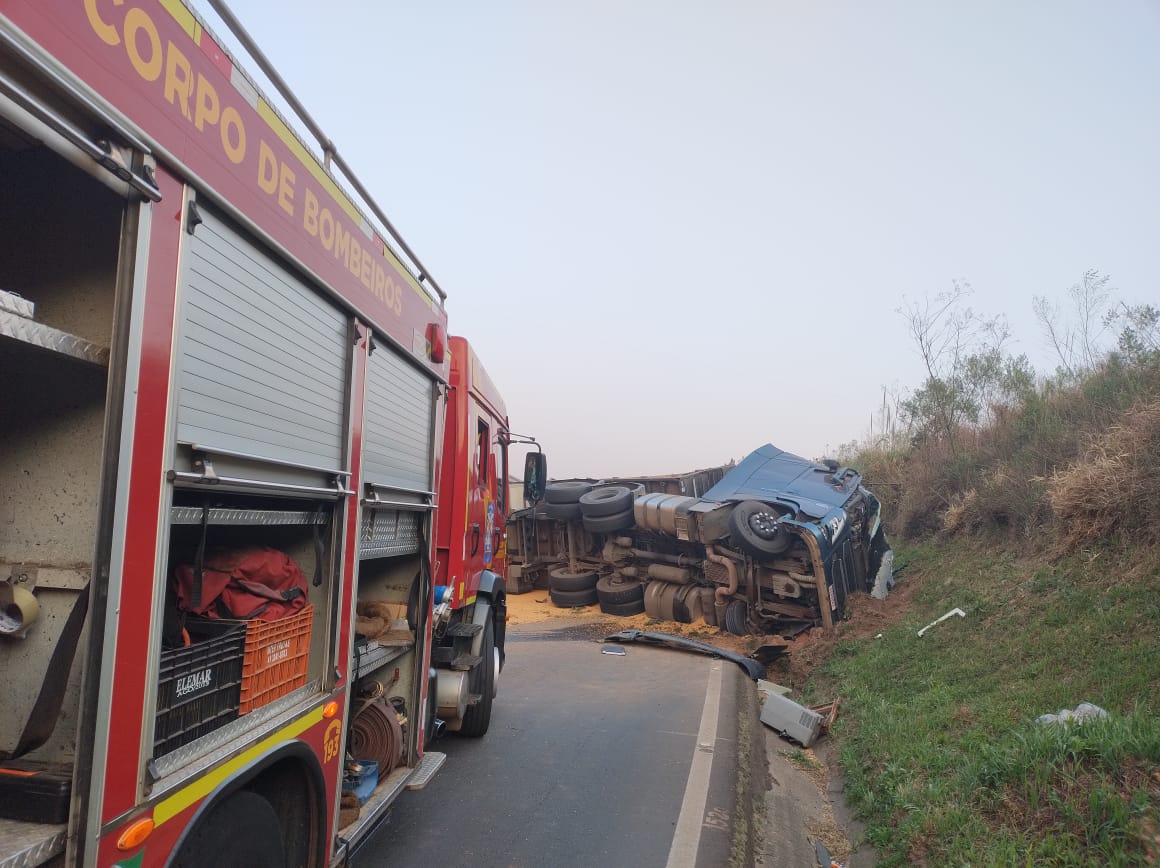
<point>135,834</point>
<point>330,709</point>
<point>436,342</point>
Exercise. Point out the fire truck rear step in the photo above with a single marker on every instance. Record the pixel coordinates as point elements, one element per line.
<point>26,844</point>
<point>431,763</point>
<point>465,661</point>
<point>463,629</point>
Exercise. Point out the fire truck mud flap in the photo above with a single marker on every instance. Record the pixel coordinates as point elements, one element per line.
<point>752,668</point>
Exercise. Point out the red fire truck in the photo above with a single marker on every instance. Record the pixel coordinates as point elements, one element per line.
<point>471,550</point>
<point>207,347</point>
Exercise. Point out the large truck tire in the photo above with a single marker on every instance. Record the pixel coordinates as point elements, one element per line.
<point>563,511</point>
<point>736,620</point>
<point>623,610</point>
<point>610,523</point>
<point>566,492</point>
<point>606,500</point>
<point>572,599</point>
<point>241,831</point>
<point>482,680</point>
<point>563,579</point>
<point>756,528</point>
<point>614,591</point>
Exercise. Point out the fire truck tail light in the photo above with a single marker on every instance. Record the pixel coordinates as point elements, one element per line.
<point>330,709</point>
<point>437,342</point>
<point>135,834</point>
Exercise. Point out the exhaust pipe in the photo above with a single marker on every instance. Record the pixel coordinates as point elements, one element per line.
<point>731,568</point>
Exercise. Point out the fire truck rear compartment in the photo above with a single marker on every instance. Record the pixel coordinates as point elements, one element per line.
<point>60,231</point>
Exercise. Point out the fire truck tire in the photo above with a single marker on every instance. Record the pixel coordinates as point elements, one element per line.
<point>482,680</point>
<point>614,592</point>
<point>566,492</point>
<point>563,579</point>
<point>623,610</point>
<point>736,621</point>
<point>572,599</point>
<point>756,528</point>
<point>241,831</point>
<point>610,523</point>
<point>563,511</point>
<point>607,500</point>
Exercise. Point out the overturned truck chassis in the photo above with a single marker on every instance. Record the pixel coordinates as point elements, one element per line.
<point>776,544</point>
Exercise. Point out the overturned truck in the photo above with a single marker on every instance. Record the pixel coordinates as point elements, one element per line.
<point>774,544</point>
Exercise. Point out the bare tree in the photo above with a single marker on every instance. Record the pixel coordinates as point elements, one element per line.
<point>1076,335</point>
<point>962,353</point>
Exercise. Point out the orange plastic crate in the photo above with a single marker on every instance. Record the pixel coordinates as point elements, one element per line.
<point>277,653</point>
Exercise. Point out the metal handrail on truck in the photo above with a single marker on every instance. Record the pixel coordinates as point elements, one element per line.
<point>329,151</point>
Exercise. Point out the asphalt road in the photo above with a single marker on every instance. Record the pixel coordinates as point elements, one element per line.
<point>591,759</point>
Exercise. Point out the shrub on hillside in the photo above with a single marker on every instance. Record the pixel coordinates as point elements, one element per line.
<point>1114,488</point>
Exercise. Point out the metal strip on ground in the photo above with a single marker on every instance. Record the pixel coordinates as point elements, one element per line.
<point>687,838</point>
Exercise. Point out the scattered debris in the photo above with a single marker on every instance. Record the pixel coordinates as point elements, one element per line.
<point>958,612</point>
<point>614,650</point>
<point>823,855</point>
<point>830,710</point>
<point>1083,711</point>
<point>769,652</point>
<point>765,688</point>
<point>794,721</point>
<point>752,668</point>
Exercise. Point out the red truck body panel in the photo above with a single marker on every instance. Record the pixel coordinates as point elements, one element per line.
<point>473,491</point>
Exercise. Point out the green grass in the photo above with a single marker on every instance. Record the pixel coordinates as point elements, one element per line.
<point>802,760</point>
<point>943,758</point>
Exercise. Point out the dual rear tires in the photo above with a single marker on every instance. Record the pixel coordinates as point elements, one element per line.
<point>620,596</point>
<point>606,509</point>
<point>569,589</point>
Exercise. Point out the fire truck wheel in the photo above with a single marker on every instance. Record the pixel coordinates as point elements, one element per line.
<point>242,831</point>
<point>756,528</point>
<point>571,599</point>
<point>610,523</point>
<point>613,592</point>
<point>477,718</point>
<point>736,621</point>
<point>606,500</point>
<point>563,579</point>
<point>623,609</point>
<point>563,511</point>
<point>566,492</point>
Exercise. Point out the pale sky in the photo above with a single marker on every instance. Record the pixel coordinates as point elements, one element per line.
<point>675,231</point>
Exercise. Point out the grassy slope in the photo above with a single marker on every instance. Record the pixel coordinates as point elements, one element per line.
<point>942,755</point>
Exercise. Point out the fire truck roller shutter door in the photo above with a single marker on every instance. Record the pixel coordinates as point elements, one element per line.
<point>262,358</point>
<point>399,411</point>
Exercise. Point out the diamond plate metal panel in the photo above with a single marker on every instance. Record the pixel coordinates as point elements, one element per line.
<point>54,340</point>
<point>23,845</point>
<point>13,303</point>
<point>210,749</point>
<point>389,532</point>
<point>263,517</point>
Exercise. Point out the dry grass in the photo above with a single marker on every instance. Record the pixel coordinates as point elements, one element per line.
<point>1114,488</point>
<point>1092,443</point>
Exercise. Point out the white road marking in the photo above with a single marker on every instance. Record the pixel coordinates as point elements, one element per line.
<point>687,838</point>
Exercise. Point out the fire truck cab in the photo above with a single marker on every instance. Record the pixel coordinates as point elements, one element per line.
<point>471,549</point>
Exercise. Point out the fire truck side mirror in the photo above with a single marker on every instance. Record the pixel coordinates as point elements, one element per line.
<point>535,476</point>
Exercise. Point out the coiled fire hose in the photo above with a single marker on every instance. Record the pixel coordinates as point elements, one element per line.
<point>375,734</point>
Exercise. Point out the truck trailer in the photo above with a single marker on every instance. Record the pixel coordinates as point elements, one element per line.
<point>773,544</point>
